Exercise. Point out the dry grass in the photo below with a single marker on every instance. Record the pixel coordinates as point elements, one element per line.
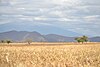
<point>87,55</point>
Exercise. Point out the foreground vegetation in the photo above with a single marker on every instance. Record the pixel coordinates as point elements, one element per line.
<point>85,55</point>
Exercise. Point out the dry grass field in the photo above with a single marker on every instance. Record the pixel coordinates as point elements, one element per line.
<point>55,55</point>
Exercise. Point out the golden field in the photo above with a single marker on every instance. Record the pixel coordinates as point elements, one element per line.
<point>50,55</point>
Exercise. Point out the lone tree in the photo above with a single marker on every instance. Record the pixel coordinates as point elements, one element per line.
<point>8,41</point>
<point>2,41</point>
<point>29,41</point>
<point>82,39</point>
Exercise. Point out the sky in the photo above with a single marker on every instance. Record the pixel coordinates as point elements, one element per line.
<point>81,16</point>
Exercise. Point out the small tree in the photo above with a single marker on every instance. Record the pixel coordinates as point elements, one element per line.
<point>82,39</point>
<point>8,41</point>
<point>2,41</point>
<point>29,41</point>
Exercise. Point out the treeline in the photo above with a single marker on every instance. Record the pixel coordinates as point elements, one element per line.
<point>6,41</point>
<point>81,39</point>
<point>29,41</point>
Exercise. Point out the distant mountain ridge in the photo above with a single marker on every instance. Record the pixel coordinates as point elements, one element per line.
<point>95,39</point>
<point>20,36</point>
<point>34,36</point>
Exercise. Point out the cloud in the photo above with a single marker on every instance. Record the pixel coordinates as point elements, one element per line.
<point>40,18</point>
<point>92,17</point>
<point>76,15</point>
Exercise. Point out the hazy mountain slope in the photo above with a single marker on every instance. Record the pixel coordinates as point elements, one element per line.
<point>21,36</point>
<point>43,29</point>
<point>95,39</point>
<point>58,38</point>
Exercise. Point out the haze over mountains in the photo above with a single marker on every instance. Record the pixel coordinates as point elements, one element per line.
<point>20,36</point>
<point>43,29</point>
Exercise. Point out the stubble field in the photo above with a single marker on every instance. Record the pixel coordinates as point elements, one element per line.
<point>49,55</point>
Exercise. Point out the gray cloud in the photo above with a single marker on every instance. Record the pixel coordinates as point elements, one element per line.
<point>82,16</point>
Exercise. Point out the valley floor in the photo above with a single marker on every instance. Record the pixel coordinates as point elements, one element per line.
<point>61,55</point>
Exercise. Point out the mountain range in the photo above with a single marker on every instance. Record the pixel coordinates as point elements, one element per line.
<point>34,36</point>
<point>43,28</point>
<point>20,36</point>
